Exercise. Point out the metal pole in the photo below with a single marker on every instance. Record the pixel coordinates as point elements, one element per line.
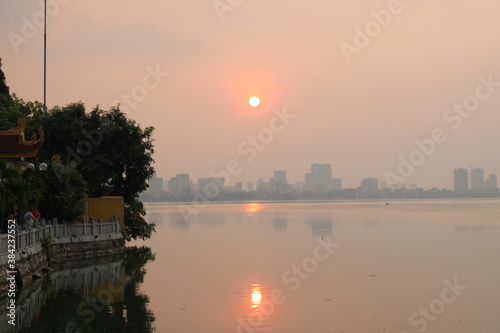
<point>45,58</point>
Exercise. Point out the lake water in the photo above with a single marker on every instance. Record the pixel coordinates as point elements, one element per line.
<point>410,266</point>
<point>260,267</point>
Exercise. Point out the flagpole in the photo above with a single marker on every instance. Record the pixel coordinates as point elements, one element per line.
<point>45,58</point>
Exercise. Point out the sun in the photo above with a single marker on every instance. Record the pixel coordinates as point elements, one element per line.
<point>254,101</point>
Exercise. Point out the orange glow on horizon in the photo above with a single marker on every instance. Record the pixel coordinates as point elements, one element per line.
<point>253,208</point>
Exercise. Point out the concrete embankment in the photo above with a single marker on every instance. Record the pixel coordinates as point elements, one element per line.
<point>34,249</point>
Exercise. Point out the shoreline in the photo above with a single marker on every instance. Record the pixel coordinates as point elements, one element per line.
<point>37,249</point>
<point>31,268</point>
<point>220,202</point>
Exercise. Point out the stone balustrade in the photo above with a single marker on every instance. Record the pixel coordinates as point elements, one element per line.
<point>28,241</point>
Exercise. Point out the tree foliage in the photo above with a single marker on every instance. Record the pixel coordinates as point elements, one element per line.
<point>26,190</point>
<point>17,190</point>
<point>112,153</point>
<point>8,176</point>
<point>4,88</point>
<point>12,107</point>
<point>62,190</point>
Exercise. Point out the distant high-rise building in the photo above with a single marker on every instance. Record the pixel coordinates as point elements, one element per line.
<point>280,176</point>
<point>179,184</point>
<point>272,185</point>
<point>155,185</point>
<point>308,184</point>
<point>477,179</point>
<point>369,185</point>
<point>298,186</point>
<point>238,187</point>
<point>212,186</point>
<point>460,179</point>
<point>278,182</point>
<point>320,178</point>
<point>322,170</point>
<point>250,187</point>
<point>263,186</point>
<point>336,184</point>
<point>491,182</point>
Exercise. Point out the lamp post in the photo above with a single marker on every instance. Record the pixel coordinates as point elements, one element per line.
<point>45,57</point>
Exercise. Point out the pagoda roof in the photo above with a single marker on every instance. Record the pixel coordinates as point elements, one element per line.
<point>14,145</point>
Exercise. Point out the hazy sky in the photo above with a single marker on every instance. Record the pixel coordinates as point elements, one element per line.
<point>359,102</point>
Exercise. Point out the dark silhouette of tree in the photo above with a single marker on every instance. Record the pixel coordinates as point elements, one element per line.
<point>8,176</point>
<point>112,153</point>
<point>12,108</point>
<point>4,89</point>
<point>9,111</point>
<point>61,187</point>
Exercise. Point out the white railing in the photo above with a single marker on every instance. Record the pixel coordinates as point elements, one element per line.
<point>61,233</point>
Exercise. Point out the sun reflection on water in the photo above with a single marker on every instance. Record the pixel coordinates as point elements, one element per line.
<point>256,296</point>
<point>253,208</point>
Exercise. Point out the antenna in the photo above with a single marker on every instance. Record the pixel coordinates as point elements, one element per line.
<point>45,58</point>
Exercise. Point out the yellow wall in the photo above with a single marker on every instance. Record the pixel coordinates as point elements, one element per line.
<point>104,208</point>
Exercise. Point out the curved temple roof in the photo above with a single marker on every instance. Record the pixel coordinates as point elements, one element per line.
<point>14,145</point>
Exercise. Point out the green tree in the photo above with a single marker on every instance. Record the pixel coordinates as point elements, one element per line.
<point>9,111</point>
<point>17,190</point>
<point>62,192</point>
<point>11,107</point>
<point>8,175</point>
<point>113,154</point>
<point>4,88</point>
<point>26,190</point>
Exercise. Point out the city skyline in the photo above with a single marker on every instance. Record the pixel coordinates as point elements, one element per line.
<point>250,166</point>
<point>321,179</point>
<point>422,98</point>
<point>352,182</point>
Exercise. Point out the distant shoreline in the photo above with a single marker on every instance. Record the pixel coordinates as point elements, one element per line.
<point>220,202</point>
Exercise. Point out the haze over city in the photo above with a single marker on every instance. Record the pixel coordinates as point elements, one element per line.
<point>249,165</point>
<point>357,101</point>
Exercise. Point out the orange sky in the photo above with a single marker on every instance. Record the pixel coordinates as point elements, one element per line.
<point>359,115</point>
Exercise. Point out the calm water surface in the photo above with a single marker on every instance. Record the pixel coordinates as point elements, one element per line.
<point>354,267</point>
<point>260,267</point>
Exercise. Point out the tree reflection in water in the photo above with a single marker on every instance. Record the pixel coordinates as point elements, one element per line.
<point>116,306</point>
